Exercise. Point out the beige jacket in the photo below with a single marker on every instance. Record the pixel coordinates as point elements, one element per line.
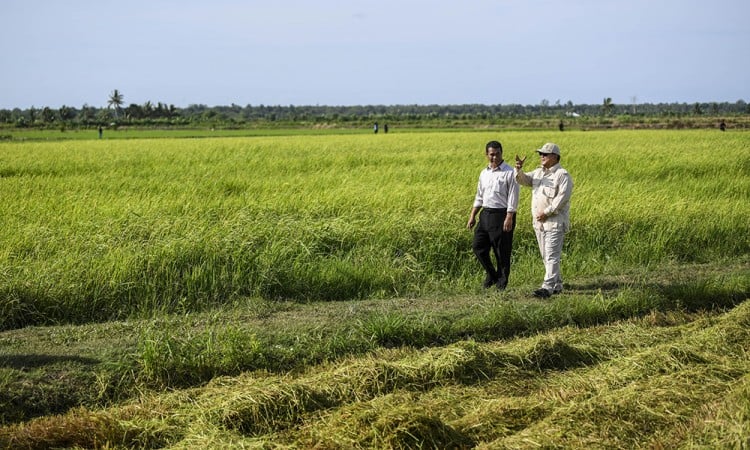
<point>551,190</point>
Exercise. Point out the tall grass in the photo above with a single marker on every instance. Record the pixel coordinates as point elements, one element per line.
<point>97,230</point>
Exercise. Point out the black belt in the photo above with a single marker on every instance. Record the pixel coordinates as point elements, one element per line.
<point>495,210</point>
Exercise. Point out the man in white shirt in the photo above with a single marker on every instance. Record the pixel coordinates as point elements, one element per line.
<point>497,198</point>
<point>551,187</point>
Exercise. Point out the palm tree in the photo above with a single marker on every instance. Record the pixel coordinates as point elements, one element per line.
<point>148,109</point>
<point>48,115</point>
<point>116,100</point>
<point>66,113</point>
<point>607,105</point>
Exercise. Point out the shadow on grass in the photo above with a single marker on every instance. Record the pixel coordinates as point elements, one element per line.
<point>606,286</point>
<point>702,294</point>
<point>20,362</point>
<point>695,294</point>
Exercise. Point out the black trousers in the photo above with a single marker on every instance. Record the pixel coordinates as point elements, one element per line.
<point>489,235</point>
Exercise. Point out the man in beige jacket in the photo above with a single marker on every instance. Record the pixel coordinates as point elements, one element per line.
<point>551,188</point>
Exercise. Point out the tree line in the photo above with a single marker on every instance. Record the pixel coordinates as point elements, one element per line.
<point>161,114</point>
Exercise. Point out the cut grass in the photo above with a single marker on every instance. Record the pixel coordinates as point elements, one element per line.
<point>630,383</point>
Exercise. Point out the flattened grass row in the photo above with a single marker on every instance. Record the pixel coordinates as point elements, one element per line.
<point>658,381</point>
<point>100,230</point>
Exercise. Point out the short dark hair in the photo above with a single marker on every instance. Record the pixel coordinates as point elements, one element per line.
<point>493,144</point>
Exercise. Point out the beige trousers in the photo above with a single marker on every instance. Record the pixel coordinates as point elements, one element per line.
<point>550,246</point>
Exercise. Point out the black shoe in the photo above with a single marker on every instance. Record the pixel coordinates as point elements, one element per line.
<point>501,286</point>
<point>541,293</point>
<point>488,283</point>
<point>557,291</point>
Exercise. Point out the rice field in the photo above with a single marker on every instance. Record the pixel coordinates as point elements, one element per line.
<point>103,230</point>
<point>320,291</point>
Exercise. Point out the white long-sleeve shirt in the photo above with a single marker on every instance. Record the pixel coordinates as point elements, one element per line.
<point>551,190</point>
<point>497,188</point>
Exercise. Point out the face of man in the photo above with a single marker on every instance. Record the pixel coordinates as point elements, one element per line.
<point>548,159</point>
<point>495,157</point>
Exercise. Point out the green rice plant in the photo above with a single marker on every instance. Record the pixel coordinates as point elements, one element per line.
<point>392,329</point>
<point>101,230</point>
<point>189,359</point>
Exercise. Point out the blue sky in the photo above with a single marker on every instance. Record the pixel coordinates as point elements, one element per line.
<point>387,52</point>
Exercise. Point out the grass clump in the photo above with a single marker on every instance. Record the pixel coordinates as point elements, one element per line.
<point>556,354</point>
<point>395,421</point>
<point>190,359</point>
<point>77,429</point>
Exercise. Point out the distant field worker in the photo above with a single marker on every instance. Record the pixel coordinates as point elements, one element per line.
<point>551,187</point>
<point>497,198</point>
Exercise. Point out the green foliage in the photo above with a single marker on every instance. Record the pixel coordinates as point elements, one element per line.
<point>185,359</point>
<point>108,229</point>
<point>235,117</point>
